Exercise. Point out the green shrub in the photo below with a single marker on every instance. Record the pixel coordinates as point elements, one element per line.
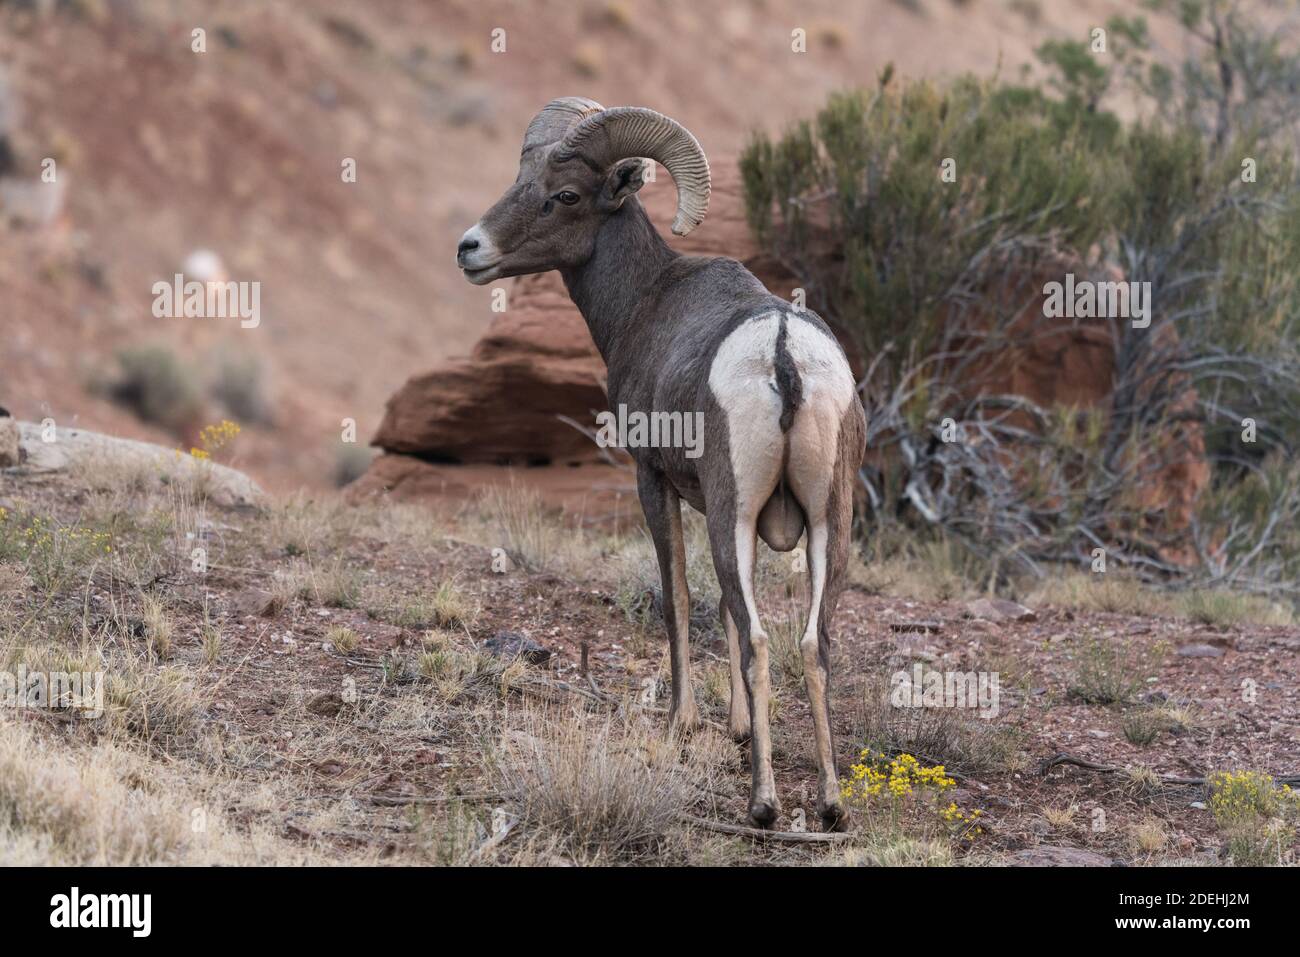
<point>157,387</point>
<point>934,279</point>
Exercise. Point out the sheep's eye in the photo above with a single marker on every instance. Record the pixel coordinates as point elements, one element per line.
<point>567,197</point>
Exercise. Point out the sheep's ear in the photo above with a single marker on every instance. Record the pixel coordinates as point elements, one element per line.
<point>623,179</point>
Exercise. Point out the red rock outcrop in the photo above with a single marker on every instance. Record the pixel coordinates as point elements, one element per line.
<point>500,405</point>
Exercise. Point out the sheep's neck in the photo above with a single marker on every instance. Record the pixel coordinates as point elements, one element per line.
<point>630,256</point>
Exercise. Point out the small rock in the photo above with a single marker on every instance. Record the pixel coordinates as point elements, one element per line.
<point>1053,856</point>
<point>512,644</point>
<point>384,637</point>
<point>999,609</point>
<point>1200,651</point>
<point>9,455</point>
<point>253,603</point>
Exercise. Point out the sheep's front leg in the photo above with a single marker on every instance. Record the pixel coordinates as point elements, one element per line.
<point>663,515</point>
<point>738,715</point>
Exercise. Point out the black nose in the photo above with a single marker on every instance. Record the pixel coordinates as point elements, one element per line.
<point>466,246</point>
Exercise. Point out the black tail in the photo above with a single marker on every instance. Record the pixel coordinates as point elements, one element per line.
<point>788,382</point>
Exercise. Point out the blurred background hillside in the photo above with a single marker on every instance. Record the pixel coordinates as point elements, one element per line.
<point>234,155</point>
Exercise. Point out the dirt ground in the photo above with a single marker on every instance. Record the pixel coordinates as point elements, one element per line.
<point>326,690</point>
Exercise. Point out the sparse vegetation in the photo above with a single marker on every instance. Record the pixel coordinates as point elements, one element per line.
<point>446,608</point>
<point>335,585</point>
<point>1110,670</point>
<point>529,536</point>
<point>1061,818</point>
<point>350,463</point>
<point>1142,726</point>
<point>611,787</point>
<point>784,652</point>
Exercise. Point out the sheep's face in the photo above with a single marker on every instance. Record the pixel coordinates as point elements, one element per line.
<point>548,219</point>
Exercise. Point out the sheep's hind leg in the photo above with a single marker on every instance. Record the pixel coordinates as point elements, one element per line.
<point>814,466</point>
<point>663,514</point>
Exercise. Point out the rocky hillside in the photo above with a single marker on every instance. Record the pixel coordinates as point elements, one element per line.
<point>236,152</point>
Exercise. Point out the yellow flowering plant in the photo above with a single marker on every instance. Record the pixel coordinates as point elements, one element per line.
<point>214,438</point>
<point>1256,815</point>
<point>901,787</point>
<point>50,552</point>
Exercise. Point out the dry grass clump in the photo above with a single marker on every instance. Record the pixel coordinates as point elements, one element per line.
<point>954,737</point>
<point>335,585</point>
<point>454,671</point>
<point>1120,593</point>
<point>400,523</point>
<point>158,626</point>
<point>521,525</point>
<point>300,526</point>
<point>896,850</point>
<point>1142,726</point>
<point>446,607</point>
<point>108,805</point>
<point>1148,836</point>
<point>1061,818</point>
<point>342,638</point>
<point>930,571</point>
<point>1111,670</point>
<point>1112,591</point>
<point>1222,608</point>
<point>785,632</point>
<point>608,789</point>
<point>160,706</point>
<point>54,809</point>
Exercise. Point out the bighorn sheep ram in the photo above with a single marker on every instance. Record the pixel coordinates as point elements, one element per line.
<point>783,429</point>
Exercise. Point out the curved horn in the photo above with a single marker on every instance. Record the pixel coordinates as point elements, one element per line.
<point>611,135</point>
<point>556,118</point>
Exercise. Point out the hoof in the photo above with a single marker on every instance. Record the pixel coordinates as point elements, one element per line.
<point>835,817</point>
<point>764,813</point>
